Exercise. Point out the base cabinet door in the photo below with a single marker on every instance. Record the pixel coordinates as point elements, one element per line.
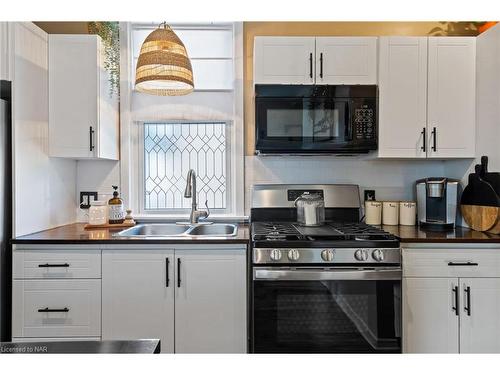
<point>138,295</point>
<point>480,315</point>
<point>210,304</point>
<point>430,320</point>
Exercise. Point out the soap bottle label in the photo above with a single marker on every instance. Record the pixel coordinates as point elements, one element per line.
<point>116,213</point>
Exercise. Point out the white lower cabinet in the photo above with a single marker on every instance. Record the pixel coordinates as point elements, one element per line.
<point>56,308</point>
<point>451,300</point>
<point>430,324</point>
<point>480,315</point>
<point>192,298</point>
<point>210,301</point>
<point>138,295</point>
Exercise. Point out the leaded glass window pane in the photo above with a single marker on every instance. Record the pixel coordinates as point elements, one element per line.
<point>170,150</point>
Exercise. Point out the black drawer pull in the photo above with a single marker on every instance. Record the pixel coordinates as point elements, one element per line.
<point>47,265</point>
<point>434,137</point>
<point>178,272</point>
<point>91,139</point>
<point>467,300</point>
<point>310,65</point>
<point>167,276</point>
<point>455,294</point>
<point>463,264</point>
<point>53,310</point>
<point>424,140</point>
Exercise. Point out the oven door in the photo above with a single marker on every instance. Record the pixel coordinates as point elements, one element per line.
<point>326,310</point>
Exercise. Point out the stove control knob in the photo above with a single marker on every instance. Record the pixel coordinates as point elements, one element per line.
<point>275,254</point>
<point>361,255</point>
<point>327,255</point>
<point>293,254</point>
<point>378,255</point>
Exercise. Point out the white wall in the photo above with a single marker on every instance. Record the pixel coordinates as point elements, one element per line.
<point>98,176</point>
<point>487,106</point>
<point>391,179</point>
<point>44,188</point>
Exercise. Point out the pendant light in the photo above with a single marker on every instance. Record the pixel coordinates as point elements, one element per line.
<point>163,67</point>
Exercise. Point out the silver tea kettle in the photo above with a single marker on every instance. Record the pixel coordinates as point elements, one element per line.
<point>310,209</point>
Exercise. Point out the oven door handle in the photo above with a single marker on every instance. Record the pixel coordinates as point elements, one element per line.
<point>326,275</point>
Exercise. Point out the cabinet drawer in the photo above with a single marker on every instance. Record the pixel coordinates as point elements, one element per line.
<point>56,308</point>
<point>56,264</point>
<point>451,262</point>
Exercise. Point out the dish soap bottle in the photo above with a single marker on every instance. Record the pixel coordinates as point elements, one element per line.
<point>116,213</point>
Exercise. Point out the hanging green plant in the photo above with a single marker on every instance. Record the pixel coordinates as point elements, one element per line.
<point>110,35</point>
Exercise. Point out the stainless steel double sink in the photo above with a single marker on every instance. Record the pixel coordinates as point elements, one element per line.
<point>154,231</point>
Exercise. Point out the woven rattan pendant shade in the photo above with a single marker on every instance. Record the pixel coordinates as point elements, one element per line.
<point>163,67</point>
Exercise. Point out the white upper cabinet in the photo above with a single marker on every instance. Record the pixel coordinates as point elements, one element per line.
<point>284,60</point>
<point>427,97</point>
<point>346,60</point>
<point>452,97</point>
<point>4,50</point>
<point>315,60</point>
<point>83,114</point>
<point>402,96</point>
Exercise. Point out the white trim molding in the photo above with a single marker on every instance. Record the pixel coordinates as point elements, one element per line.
<point>130,118</point>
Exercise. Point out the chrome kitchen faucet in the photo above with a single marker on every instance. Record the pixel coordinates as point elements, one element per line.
<point>190,192</point>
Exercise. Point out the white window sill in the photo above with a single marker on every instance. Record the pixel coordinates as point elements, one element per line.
<point>172,218</point>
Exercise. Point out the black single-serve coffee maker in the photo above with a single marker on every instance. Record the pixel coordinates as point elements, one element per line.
<point>437,202</point>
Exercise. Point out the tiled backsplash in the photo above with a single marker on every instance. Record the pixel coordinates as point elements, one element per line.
<point>392,179</point>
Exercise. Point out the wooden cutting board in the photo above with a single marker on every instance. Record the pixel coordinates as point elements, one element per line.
<point>481,218</point>
<point>110,226</point>
<point>480,205</point>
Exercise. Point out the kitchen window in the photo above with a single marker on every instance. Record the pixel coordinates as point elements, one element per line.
<point>201,131</point>
<point>170,150</point>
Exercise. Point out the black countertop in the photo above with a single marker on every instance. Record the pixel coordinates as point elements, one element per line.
<point>76,234</point>
<point>416,234</point>
<point>150,346</point>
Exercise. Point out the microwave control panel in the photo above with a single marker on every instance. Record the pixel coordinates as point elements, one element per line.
<point>364,122</point>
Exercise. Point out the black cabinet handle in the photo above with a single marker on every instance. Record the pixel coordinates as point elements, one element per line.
<point>47,265</point>
<point>467,300</point>
<point>91,139</point>
<point>454,290</point>
<point>167,276</point>
<point>434,141</point>
<point>178,272</point>
<point>53,310</point>
<point>321,65</point>
<point>463,264</point>
<point>424,140</point>
<point>310,65</point>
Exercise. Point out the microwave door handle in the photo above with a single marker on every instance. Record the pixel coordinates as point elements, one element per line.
<point>271,274</point>
<point>348,121</point>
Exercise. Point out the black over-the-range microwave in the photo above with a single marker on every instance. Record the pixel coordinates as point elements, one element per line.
<point>315,119</point>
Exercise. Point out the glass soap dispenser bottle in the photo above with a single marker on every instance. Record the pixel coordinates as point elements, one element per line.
<point>116,212</point>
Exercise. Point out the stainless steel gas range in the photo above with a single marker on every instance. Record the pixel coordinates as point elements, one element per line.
<point>334,288</point>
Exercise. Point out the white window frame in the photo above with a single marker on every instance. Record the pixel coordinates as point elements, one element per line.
<point>130,130</point>
<point>201,205</point>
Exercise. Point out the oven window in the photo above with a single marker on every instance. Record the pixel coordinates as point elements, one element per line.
<point>327,316</point>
